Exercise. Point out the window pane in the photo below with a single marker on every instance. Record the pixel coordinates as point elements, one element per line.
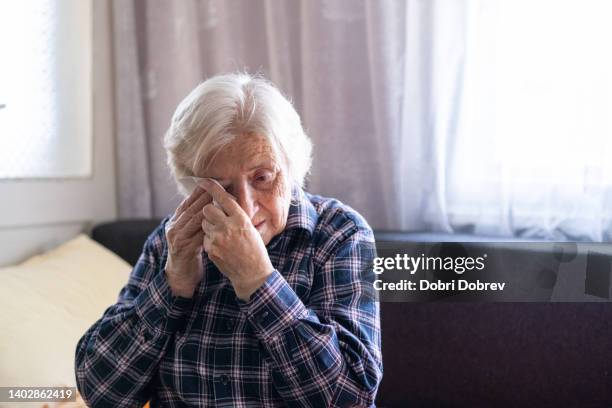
<point>536,125</point>
<point>45,88</point>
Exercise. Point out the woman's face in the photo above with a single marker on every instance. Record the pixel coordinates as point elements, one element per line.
<point>248,169</point>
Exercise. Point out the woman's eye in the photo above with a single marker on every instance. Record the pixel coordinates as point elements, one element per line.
<point>263,178</point>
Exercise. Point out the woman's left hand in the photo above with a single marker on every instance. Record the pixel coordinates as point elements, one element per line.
<point>233,244</point>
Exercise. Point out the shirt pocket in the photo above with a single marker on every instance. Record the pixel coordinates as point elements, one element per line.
<point>185,370</point>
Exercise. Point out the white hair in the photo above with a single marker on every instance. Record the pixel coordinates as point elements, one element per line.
<point>230,105</point>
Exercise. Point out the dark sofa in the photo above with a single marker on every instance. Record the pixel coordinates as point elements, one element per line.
<point>441,354</point>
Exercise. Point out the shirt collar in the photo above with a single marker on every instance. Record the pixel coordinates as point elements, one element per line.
<point>302,214</point>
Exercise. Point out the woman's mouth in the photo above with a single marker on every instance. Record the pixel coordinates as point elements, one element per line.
<point>258,226</point>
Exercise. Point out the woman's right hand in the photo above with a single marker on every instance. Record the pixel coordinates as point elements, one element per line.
<point>185,238</point>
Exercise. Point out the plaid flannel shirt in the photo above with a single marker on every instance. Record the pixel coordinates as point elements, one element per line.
<point>308,337</point>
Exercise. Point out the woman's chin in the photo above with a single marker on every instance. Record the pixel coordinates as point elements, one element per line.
<point>263,232</point>
<point>266,231</point>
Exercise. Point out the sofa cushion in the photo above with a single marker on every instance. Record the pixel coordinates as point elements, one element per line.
<point>47,303</point>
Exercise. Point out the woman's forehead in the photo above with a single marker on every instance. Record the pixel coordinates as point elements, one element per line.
<point>243,154</point>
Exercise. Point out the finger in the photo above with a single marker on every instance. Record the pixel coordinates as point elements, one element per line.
<point>193,225</point>
<point>193,211</point>
<point>207,243</point>
<point>213,214</point>
<point>185,233</point>
<point>206,226</point>
<point>192,240</point>
<point>185,219</point>
<point>208,234</point>
<point>190,199</point>
<point>197,236</point>
<point>223,198</point>
<point>197,205</point>
<point>190,245</point>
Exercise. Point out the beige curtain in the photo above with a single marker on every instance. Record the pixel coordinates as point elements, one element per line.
<point>362,75</point>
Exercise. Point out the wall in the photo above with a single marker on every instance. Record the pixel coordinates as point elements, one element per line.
<point>36,215</point>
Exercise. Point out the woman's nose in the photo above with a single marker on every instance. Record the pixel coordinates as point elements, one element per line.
<point>247,199</point>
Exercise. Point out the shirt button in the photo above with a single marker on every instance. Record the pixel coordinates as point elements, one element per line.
<point>224,379</point>
<point>229,324</point>
<point>263,316</point>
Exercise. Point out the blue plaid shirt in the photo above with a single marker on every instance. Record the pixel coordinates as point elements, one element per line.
<point>308,337</point>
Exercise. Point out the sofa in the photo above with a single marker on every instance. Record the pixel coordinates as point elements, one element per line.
<point>445,354</point>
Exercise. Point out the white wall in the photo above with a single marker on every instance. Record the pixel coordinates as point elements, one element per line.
<point>40,214</point>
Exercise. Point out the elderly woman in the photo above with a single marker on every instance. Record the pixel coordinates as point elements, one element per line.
<point>253,293</point>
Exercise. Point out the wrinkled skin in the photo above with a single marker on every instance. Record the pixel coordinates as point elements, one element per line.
<point>239,214</point>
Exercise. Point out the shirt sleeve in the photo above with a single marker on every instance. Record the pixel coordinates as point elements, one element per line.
<point>326,353</point>
<point>118,355</point>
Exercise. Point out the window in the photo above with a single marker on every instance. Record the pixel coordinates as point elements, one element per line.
<point>536,123</point>
<point>45,89</point>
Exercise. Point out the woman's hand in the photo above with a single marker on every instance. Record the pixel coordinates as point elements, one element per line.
<point>233,244</point>
<point>184,235</point>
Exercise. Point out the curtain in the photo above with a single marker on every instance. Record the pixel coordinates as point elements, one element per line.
<point>412,105</point>
<point>358,73</point>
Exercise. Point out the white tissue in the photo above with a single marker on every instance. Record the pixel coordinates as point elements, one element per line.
<point>191,182</point>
